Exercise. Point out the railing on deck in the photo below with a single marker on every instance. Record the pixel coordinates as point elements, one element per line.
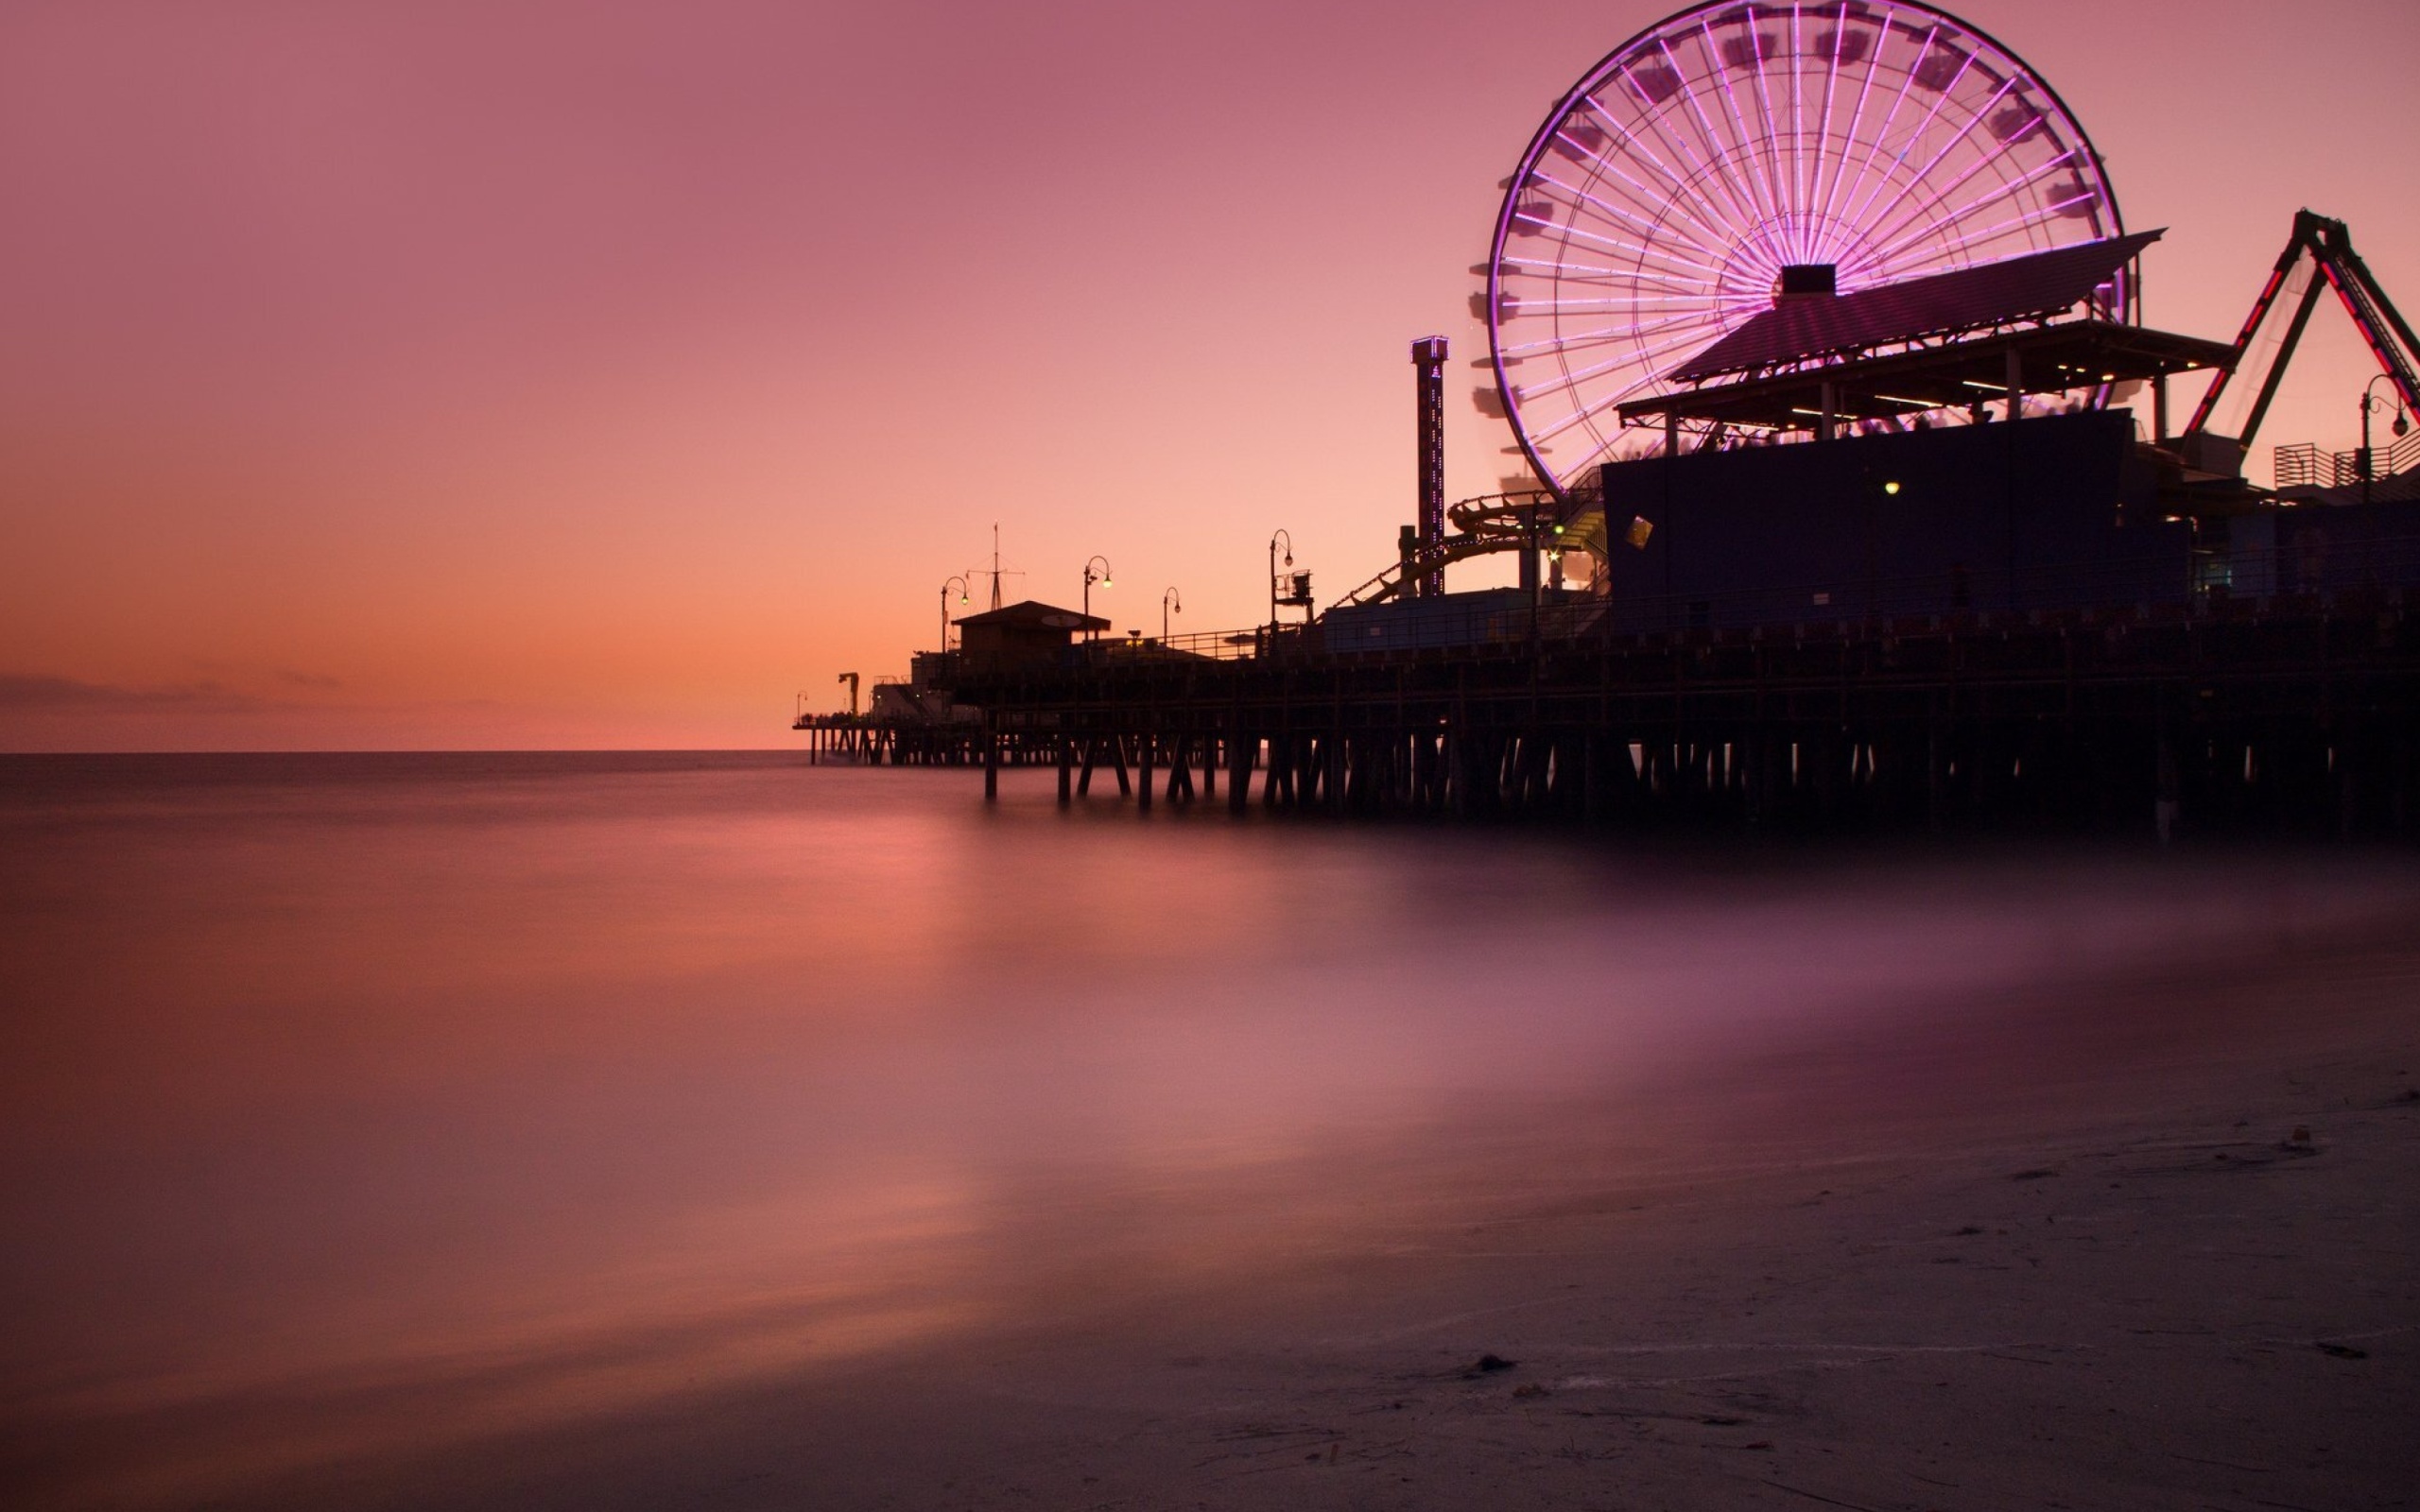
<point>2304,465</point>
<point>2177,583</point>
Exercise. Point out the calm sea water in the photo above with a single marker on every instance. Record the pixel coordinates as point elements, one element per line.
<point>538,1087</point>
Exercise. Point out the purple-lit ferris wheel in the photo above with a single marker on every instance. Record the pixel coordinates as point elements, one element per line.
<point>1657,207</point>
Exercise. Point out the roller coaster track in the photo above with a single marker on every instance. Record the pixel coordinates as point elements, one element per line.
<point>1531,520</point>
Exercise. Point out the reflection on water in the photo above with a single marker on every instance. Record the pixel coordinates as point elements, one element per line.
<point>521,1088</point>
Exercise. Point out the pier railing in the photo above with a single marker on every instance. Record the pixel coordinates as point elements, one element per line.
<point>2304,465</point>
<point>2215,577</point>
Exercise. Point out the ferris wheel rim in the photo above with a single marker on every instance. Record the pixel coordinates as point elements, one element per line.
<point>1594,77</point>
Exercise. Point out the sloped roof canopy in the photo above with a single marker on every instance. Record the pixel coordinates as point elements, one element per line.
<point>1035,614</point>
<point>2048,359</point>
<point>2031,287</point>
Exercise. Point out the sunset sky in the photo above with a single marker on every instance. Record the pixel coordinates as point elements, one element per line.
<point>552,374</point>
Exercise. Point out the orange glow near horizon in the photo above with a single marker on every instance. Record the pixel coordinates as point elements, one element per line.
<point>606,375</point>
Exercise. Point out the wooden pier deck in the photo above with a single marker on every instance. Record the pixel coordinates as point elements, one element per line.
<point>2277,715</point>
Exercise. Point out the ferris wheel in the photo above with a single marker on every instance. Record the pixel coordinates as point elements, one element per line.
<point>1657,207</point>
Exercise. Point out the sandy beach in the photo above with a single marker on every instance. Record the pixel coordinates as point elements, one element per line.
<point>2148,1243</point>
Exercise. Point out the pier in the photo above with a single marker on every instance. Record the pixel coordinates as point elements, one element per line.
<point>2281,715</point>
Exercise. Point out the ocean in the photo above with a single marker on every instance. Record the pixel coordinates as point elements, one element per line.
<point>356,1103</point>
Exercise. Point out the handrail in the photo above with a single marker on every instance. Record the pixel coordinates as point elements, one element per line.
<point>2304,465</point>
<point>2177,582</point>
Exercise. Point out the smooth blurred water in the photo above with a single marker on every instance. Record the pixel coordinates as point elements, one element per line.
<point>545,1085</point>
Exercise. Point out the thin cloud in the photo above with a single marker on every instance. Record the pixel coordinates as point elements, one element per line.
<point>37,692</point>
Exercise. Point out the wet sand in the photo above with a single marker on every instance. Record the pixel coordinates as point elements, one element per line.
<point>2071,1252</point>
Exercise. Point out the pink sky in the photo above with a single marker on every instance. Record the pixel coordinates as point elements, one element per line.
<point>552,374</point>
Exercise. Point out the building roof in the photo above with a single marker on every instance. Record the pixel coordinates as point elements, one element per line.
<point>2050,359</point>
<point>2031,287</point>
<point>1033,614</point>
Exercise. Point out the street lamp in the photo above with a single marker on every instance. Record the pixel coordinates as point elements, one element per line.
<point>1273,574</point>
<point>963,590</point>
<point>1168,601</point>
<point>2369,405</point>
<point>1091,578</point>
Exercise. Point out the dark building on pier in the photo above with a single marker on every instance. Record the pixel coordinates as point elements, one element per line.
<point>1022,634</point>
<point>2054,512</point>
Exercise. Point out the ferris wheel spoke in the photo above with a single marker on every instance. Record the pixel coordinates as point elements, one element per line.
<point>1792,84</point>
<point>2015,223</point>
<point>1643,252</point>
<point>1725,223</point>
<point>1715,149</point>
<point>1648,224</point>
<point>1933,113</point>
<point>1770,160</point>
<point>1527,391</point>
<point>2002,192</point>
<point>1924,175</point>
<point>1944,221</point>
<point>1644,223</point>
<point>1824,119</point>
<point>1601,404</point>
<point>1561,341</point>
<point>1616,131</point>
<point>1857,114</point>
<point>1739,122</point>
<point>1637,306</point>
<point>1639,292</point>
<point>1597,407</point>
<point>1721,148</point>
<point>1687,332</point>
<point>1791,228</point>
<point>1735,217</point>
<point>1532,268</point>
<point>1873,143</point>
<point>2066,157</point>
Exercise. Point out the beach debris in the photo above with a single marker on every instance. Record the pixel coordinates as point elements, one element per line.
<point>1532,1389</point>
<point>1487,1365</point>
<point>2342,1351</point>
<point>1966,1231</point>
<point>2032,1176</point>
<point>2300,1134</point>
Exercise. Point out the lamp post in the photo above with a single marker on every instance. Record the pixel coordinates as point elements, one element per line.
<point>1091,578</point>
<point>2369,405</point>
<point>963,590</point>
<point>1168,601</point>
<point>1273,572</point>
